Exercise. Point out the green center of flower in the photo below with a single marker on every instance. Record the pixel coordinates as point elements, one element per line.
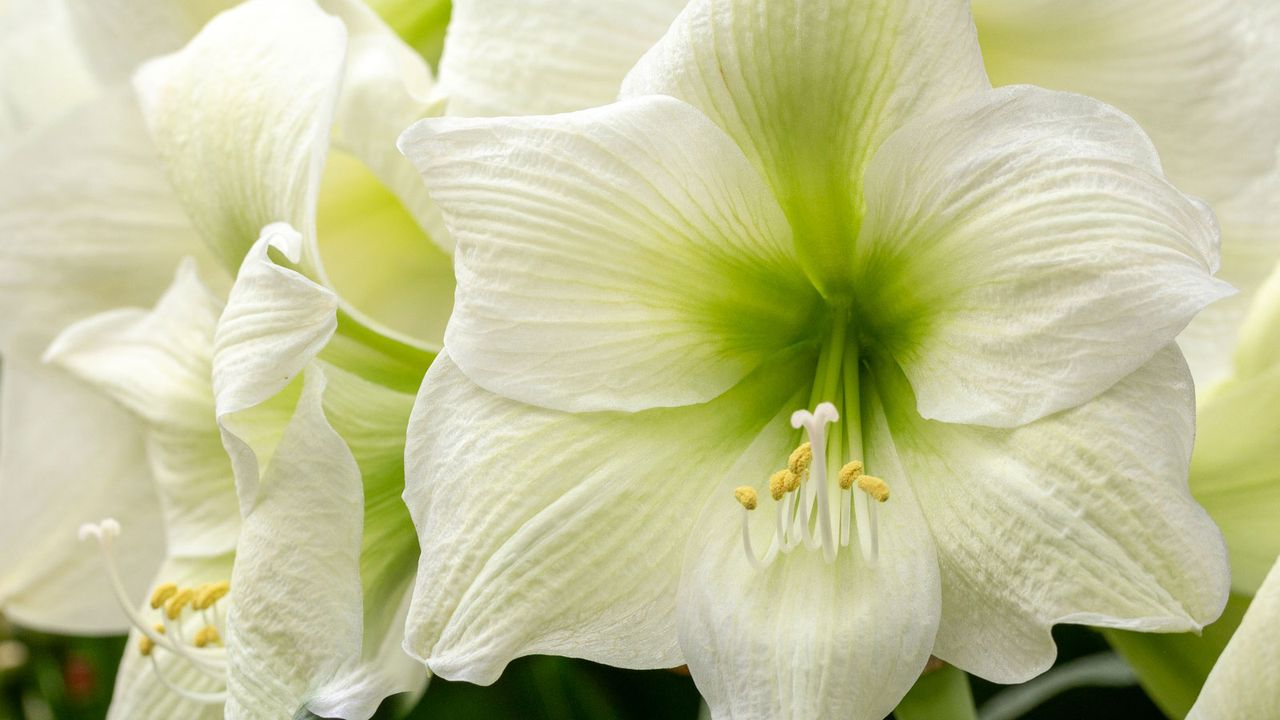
<point>825,465</point>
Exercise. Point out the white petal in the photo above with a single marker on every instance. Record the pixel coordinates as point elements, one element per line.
<point>1244,683</point>
<point>809,89</point>
<point>1250,254</point>
<point>804,638</point>
<point>70,456</point>
<point>157,365</point>
<point>43,71</point>
<point>139,693</point>
<point>565,532</point>
<point>296,615</point>
<point>275,322</point>
<point>259,83</point>
<point>545,56</point>
<point>1082,517</point>
<point>1022,253</point>
<point>88,219</point>
<point>386,86</point>
<point>624,257</point>
<point>117,35</point>
<point>89,223</point>
<point>1198,75</point>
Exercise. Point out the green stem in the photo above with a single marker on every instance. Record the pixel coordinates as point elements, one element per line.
<point>940,695</point>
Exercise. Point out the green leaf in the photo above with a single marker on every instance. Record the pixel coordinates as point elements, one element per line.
<point>943,694</point>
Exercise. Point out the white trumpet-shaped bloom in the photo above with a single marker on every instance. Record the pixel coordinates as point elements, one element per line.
<point>810,357</point>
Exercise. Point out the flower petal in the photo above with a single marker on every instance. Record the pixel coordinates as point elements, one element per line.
<point>545,56</point>
<point>157,365</point>
<point>43,71</point>
<point>809,89</point>
<point>89,223</point>
<point>117,35</point>
<point>1081,517</point>
<point>1235,472</point>
<point>1250,254</point>
<point>260,83</point>
<point>70,456</point>
<point>296,616</point>
<point>565,531</point>
<point>386,86</point>
<point>1244,683</point>
<point>624,257</point>
<point>275,322</point>
<point>804,638</point>
<point>1198,76</point>
<point>1022,253</point>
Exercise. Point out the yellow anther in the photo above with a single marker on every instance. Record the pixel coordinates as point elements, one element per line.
<point>778,484</point>
<point>162,593</point>
<point>747,496</point>
<point>145,645</point>
<point>173,608</point>
<point>793,481</point>
<point>849,473</point>
<point>209,593</point>
<point>158,627</point>
<point>800,459</point>
<point>206,636</point>
<point>874,486</point>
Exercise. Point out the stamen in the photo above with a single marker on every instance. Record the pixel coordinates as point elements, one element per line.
<point>849,473</point>
<point>778,484</point>
<point>875,487</point>
<point>205,636</point>
<point>161,594</point>
<point>211,661</point>
<point>801,457</point>
<point>210,698</point>
<point>747,496</point>
<point>174,606</point>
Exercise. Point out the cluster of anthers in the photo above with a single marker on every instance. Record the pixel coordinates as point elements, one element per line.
<point>801,496</point>
<point>180,609</point>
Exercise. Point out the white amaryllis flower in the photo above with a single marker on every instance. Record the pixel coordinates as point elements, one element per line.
<point>1200,77</point>
<point>242,119</point>
<point>1244,684</point>
<point>964,300</point>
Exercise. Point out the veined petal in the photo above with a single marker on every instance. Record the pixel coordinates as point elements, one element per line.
<point>804,638</point>
<point>1250,223</point>
<point>545,56</point>
<point>157,365</point>
<point>565,531</point>
<point>1081,517</point>
<point>1022,253</point>
<point>70,456</point>
<point>141,694</point>
<point>89,223</point>
<point>809,89</point>
<point>296,611</point>
<point>88,219</point>
<point>386,87</point>
<point>260,83</point>
<point>275,322</point>
<point>1198,76</point>
<point>1244,683</point>
<point>618,258</point>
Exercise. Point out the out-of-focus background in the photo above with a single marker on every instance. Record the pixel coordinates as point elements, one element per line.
<point>47,677</point>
